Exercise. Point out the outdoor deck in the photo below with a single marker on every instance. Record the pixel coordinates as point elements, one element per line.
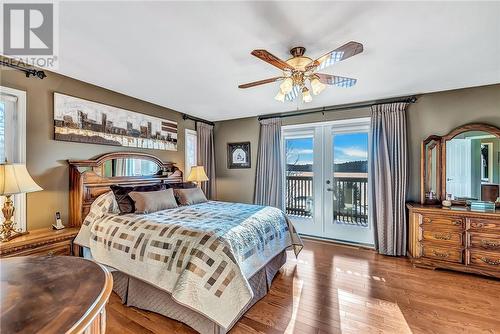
<point>349,198</point>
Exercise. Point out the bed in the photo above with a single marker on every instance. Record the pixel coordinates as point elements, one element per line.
<point>203,264</point>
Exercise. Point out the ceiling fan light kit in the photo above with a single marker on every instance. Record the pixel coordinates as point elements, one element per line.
<point>306,95</point>
<point>280,96</point>
<point>299,69</point>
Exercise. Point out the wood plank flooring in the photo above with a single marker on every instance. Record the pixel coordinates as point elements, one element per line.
<point>338,289</point>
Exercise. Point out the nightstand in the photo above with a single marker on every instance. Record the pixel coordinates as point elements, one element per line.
<point>44,241</point>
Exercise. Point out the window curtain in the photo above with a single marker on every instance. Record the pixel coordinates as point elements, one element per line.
<point>206,157</point>
<point>388,177</point>
<point>268,179</point>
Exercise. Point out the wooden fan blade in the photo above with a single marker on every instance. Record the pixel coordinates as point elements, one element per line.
<point>345,51</point>
<point>260,82</point>
<point>335,80</point>
<point>272,59</point>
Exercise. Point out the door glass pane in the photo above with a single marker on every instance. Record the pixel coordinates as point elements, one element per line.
<point>191,151</point>
<point>299,177</point>
<point>350,179</point>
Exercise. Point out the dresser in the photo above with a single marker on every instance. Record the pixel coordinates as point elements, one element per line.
<point>454,238</point>
<point>53,294</point>
<point>44,241</point>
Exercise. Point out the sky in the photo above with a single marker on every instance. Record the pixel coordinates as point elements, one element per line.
<point>347,147</point>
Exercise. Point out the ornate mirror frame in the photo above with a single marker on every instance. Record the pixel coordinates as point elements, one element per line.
<point>424,169</point>
<point>464,128</point>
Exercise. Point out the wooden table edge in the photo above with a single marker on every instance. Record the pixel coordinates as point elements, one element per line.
<point>96,308</point>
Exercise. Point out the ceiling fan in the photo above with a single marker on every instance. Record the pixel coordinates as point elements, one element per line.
<point>299,69</point>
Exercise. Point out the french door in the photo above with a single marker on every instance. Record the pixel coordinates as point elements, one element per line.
<point>326,179</point>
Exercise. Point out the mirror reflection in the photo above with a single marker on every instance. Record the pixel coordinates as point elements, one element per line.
<point>431,166</point>
<point>129,167</point>
<point>473,166</point>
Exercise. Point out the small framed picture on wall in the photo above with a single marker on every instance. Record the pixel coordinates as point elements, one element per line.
<point>238,155</point>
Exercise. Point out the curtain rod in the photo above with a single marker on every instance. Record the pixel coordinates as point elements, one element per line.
<point>196,119</point>
<point>27,71</point>
<point>407,99</point>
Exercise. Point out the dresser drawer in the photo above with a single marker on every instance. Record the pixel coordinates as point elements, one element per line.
<point>484,241</point>
<point>484,224</point>
<point>453,238</point>
<point>490,260</point>
<point>443,253</point>
<point>430,222</point>
<point>60,248</point>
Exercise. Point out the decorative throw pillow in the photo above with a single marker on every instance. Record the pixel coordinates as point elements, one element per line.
<point>190,196</point>
<point>103,204</point>
<point>152,201</point>
<point>125,203</point>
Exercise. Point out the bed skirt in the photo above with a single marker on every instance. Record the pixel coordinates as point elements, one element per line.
<point>134,292</point>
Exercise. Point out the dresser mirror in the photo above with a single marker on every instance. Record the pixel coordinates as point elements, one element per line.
<point>431,171</point>
<point>467,167</point>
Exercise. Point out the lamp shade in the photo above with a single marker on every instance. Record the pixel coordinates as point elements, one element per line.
<point>15,179</point>
<point>197,174</point>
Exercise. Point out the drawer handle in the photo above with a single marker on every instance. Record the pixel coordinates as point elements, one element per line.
<point>477,225</point>
<point>51,253</point>
<point>456,223</point>
<point>442,236</point>
<point>490,261</point>
<point>439,254</point>
<point>488,244</point>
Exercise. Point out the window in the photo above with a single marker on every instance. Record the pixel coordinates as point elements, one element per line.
<point>13,142</point>
<point>191,151</point>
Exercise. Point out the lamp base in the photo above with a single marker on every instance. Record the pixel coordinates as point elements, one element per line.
<point>13,235</point>
<point>7,230</point>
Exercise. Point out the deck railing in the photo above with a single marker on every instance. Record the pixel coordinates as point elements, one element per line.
<point>350,194</point>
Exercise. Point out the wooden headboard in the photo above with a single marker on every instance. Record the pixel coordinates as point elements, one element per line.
<point>87,180</point>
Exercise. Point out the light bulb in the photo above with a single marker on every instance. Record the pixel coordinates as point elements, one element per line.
<point>280,96</point>
<point>306,96</point>
<point>317,86</point>
<point>286,86</point>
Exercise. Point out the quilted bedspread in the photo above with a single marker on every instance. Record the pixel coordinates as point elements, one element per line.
<point>202,254</point>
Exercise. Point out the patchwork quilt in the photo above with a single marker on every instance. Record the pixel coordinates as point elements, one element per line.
<point>202,254</point>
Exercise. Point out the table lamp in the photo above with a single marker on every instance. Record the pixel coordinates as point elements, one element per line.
<point>197,175</point>
<point>14,179</point>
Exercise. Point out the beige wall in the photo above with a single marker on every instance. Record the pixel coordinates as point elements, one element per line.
<point>46,158</point>
<point>436,113</point>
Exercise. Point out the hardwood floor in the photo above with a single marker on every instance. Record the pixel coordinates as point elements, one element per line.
<point>339,289</point>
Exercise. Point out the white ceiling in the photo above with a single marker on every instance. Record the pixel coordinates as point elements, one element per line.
<point>191,56</point>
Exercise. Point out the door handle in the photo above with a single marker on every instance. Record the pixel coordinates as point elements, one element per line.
<point>329,189</point>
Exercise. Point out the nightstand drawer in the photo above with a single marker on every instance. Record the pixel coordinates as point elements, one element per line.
<point>40,242</point>
<point>61,248</point>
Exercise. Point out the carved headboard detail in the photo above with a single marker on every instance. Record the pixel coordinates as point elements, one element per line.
<point>91,178</point>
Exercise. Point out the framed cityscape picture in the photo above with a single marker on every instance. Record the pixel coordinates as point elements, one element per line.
<point>83,121</point>
<point>238,155</point>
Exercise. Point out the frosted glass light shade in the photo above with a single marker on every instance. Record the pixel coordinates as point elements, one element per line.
<point>15,179</point>
<point>286,86</point>
<point>197,174</point>
<point>306,95</point>
<point>317,86</point>
<point>280,96</point>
